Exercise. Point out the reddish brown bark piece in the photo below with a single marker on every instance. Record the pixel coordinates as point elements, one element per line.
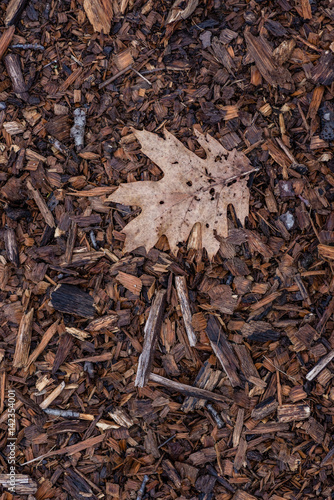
<point>5,40</point>
<point>223,351</point>
<point>259,49</point>
<point>13,66</point>
<point>23,340</point>
<point>99,13</point>
<point>14,11</point>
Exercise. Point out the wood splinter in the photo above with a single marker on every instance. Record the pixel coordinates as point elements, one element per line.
<point>151,331</point>
<point>47,215</point>
<point>23,341</point>
<point>182,292</point>
<point>188,390</point>
<point>320,366</point>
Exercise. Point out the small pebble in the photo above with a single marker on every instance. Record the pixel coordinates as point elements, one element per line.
<point>288,220</point>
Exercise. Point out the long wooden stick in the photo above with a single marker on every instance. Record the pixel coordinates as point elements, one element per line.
<point>187,389</point>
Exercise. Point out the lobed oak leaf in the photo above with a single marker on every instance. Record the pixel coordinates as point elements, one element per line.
<point>192,190</point>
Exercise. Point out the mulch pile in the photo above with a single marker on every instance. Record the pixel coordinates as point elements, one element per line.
<point>257,75</point>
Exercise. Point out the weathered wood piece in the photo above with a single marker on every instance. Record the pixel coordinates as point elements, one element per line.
<point>151,332</point>
<point>312,374</point>
<point>52,396</point>
<point>206,379</point>
<point>238,427</point>
<point>13,67</point>
<point>72,300</point>
<point>323,71</point>
<point>64,349</point>
<point>23,340</point>
<point>264,408</point>
<point>43,344</point>
<point>100,14</point>
<point>11,246</point>
<point>171,473</point>
<point>5,40</point>
<point>14,11</point>
<point>260,50</point>
<point>326,315</point>
<point>223,351</point>
<point>72,234</point>
<point>243,495</point>
<point>293,412</point>
<point>24,484</point>
<point>182,292</point>
<point>187,389</point>
<point>47,215</point>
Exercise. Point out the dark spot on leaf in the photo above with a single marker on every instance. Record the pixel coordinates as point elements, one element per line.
<point>218,158</point>
<point>161,202</point>
<point>207,225</point>
<point>175,163</point>
<point>212,191</point>
<point>189,183</point>
<point>210,181</point>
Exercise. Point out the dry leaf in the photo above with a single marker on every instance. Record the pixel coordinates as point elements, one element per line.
<point>192,190</point>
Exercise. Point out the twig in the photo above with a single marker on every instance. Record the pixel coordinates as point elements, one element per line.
<point>141,76</point>
<point>167,441</point>
<point>141,490</point>
<point>113,78</point>
<point>215,415</point>
<point>26,46</point>
<point>281,371</point>
<point>187,389</point>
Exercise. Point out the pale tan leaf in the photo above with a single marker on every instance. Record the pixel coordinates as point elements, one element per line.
<point>192,190</point>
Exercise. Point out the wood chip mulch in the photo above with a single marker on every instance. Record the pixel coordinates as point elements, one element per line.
<point>150,375</point>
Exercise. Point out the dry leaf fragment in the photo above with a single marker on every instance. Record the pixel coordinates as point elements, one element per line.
<point>192,190</point>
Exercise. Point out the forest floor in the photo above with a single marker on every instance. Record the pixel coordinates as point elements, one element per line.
<point>258,76</point>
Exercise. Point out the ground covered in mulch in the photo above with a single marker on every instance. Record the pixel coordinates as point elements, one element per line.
<point>258,76</point>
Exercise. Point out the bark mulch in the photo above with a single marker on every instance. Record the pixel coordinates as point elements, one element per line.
<point>245,413</point>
